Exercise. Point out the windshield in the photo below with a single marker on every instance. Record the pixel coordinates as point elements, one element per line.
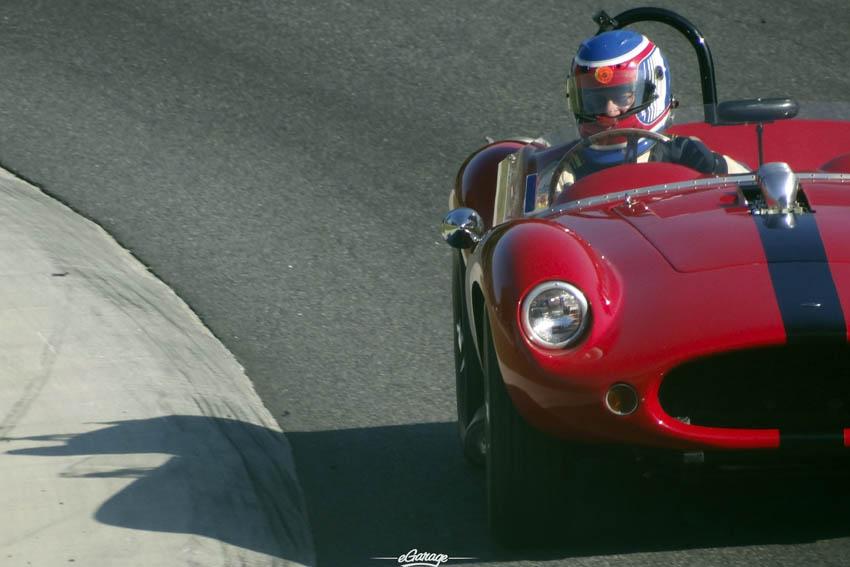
<point>528,181</point>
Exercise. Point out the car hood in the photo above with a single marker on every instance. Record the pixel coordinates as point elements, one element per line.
<point>712,229</point>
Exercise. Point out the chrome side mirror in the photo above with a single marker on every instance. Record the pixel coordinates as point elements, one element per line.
<point>463,228</point>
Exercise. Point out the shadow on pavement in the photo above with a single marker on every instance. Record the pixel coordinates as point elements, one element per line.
<point>227,480</point>
<point>380,492</point>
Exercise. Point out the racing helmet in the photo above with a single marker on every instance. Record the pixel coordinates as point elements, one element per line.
<point>619,79</point>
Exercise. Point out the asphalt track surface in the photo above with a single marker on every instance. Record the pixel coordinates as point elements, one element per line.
<point>283,166</point>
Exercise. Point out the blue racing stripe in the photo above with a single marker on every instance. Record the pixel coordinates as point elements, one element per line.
<point>802,280</point>
<point>808,439</point>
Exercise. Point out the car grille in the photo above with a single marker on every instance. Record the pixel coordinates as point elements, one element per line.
<point>804,387</point>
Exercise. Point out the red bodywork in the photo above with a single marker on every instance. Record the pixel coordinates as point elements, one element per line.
<point>670,279</point>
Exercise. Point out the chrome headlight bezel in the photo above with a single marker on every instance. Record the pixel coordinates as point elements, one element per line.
<point>528,326</point>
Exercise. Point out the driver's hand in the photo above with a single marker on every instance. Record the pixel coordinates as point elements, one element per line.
<point>692,153</point>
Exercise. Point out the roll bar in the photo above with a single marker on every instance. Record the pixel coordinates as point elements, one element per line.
<point>683,26</point>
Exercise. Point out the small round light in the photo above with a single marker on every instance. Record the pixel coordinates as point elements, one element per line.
<point>621,399</point>
<point>604,74</point>
<point>554,314</point>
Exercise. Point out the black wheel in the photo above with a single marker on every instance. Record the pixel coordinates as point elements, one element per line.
<point>526,469</point>
<point>468,376</point>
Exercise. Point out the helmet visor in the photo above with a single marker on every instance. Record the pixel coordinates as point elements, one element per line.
<point>598,101</point>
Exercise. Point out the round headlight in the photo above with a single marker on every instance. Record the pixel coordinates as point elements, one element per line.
<point>554,314</point>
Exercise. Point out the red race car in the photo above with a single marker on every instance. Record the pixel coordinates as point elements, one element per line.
<point>649,305</point>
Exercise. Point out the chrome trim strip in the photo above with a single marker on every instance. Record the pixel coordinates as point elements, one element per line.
<point>824,176</point>
<point>696,184</point>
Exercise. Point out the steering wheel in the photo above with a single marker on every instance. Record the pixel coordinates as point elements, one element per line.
<point>632,135</point>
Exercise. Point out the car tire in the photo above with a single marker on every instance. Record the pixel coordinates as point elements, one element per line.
<point>526,469</point>
<point>469,380</point>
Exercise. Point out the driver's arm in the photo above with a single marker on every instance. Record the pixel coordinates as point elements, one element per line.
<point>693,153</point>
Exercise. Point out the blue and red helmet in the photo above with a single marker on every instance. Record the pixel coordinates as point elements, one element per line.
<point>619,79</point>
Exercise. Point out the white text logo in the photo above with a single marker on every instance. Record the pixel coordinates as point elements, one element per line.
<point>416,558</point>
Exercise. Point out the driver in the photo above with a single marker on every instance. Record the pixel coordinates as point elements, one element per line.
<point>619,79</point>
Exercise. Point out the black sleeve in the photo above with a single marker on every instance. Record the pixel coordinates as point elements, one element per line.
<point>690,152</point>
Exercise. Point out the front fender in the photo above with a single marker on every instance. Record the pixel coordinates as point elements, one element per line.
<point>518,256</point>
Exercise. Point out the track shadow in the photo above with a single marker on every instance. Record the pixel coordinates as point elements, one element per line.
<point>379,492</point>
<point>227,480</point>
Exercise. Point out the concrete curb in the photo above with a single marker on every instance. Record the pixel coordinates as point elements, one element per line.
<point>128,434</point>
